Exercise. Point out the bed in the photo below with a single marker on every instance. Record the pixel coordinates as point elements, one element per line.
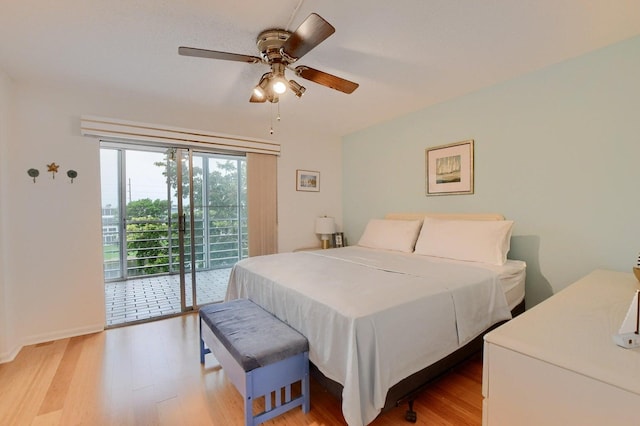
<point>386,315</point>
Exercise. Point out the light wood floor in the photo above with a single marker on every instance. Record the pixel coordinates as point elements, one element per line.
<point>150,374</point>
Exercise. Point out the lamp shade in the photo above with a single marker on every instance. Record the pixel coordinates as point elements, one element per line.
<point>325,225</point>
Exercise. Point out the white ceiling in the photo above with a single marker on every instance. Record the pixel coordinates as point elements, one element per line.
<point>406,54</point>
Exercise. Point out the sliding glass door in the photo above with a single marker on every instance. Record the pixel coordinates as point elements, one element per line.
<point>216,222</point>
<point>174,223</point>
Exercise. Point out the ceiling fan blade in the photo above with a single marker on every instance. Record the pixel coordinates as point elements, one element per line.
<point>326,79</point>
<point>213,54</point>
<point>313,31</point>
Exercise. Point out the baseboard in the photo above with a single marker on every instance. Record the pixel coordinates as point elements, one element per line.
<point>62,334</point>
<point>10,355</point>
<point>47,337</point>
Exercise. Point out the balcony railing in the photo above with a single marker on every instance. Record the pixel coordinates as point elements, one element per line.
<point>152,247</point>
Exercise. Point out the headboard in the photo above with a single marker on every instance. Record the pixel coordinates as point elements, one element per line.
<point>451,216</point>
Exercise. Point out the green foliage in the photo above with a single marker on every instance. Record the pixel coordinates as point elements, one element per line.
<point>147,246</point>
<point>156,209</point>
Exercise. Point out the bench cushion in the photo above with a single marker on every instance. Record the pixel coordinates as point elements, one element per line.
<point>253,336</point>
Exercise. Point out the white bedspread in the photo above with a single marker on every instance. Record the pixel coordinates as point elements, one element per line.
<point>372,317</point>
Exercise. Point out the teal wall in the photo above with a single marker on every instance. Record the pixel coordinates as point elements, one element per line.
<point>556,150</point>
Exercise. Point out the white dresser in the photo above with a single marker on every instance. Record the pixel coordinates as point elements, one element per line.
<point>556,364</point>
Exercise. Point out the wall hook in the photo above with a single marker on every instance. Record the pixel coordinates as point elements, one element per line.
<point>53,168</point>
<point>34,173</point>
<point>72,174</point>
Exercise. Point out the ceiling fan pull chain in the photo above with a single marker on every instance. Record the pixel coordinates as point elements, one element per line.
<point>271,118</point>
<point>278,117</point>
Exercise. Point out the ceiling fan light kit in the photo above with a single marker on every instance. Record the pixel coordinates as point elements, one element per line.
<point>296,88</point>
<point>278,81</point>
<point>279,49</point>
<point>260,91</point>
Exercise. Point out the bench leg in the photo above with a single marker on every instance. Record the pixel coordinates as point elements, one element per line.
<point>248,400</point>
<point>203,350</point>
<point>306,394</point>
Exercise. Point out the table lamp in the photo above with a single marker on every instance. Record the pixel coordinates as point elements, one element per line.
<point>325,226</point>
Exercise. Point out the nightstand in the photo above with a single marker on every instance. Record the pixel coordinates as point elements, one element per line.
<point>307,249</point>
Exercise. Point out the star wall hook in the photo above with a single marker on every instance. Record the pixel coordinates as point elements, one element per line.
<point>53,168</point>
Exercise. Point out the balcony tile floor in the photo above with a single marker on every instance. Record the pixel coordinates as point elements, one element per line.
<point>141,299</point>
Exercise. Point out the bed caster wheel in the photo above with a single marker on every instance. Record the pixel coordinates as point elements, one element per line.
<point>410,415</point>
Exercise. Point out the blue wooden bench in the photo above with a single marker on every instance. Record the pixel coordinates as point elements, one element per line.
<point>260,354</point>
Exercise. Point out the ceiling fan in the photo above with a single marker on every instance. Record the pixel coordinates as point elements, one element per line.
<point>280,49</point>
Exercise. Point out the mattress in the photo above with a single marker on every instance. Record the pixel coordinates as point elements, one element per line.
<point>511,275</point>
<point>374,317</point>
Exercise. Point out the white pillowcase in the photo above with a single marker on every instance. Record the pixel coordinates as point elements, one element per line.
<point>471,240</point>
<point>398,235</point>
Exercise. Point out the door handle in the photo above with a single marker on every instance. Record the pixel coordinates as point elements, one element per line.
<point>183,223</point>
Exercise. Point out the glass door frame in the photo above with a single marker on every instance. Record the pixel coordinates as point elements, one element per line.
<point>182,229</point>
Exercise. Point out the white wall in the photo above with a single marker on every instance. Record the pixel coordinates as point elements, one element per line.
<point>297,210</point>
<point>5,306</point>
<point>54,267</point>
<point>557,150</point>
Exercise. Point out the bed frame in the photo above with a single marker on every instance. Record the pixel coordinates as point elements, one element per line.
<point>408,389</point>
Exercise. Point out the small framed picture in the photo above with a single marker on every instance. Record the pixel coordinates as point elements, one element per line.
<point>307,180</point>
<point>338,239</point>
<point>449,169</point>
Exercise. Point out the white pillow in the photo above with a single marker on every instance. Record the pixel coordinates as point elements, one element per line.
<point>398,235</point>
<point>486,241</point>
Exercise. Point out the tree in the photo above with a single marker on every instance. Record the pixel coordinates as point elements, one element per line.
<point>145,207</point>
<point>171,172</point>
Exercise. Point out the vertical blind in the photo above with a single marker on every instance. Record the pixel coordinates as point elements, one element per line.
<point>262,204</point>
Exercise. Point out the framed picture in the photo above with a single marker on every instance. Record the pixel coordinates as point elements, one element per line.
<point>338,240</point>
<point>449,169</point>
<point>307,180</point>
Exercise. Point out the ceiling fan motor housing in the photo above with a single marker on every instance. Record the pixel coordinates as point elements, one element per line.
<point>269,44</point>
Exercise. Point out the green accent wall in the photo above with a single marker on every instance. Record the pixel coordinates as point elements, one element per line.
<point>556,150</point>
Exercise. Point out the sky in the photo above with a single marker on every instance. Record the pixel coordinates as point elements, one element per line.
<point>144,179</point>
